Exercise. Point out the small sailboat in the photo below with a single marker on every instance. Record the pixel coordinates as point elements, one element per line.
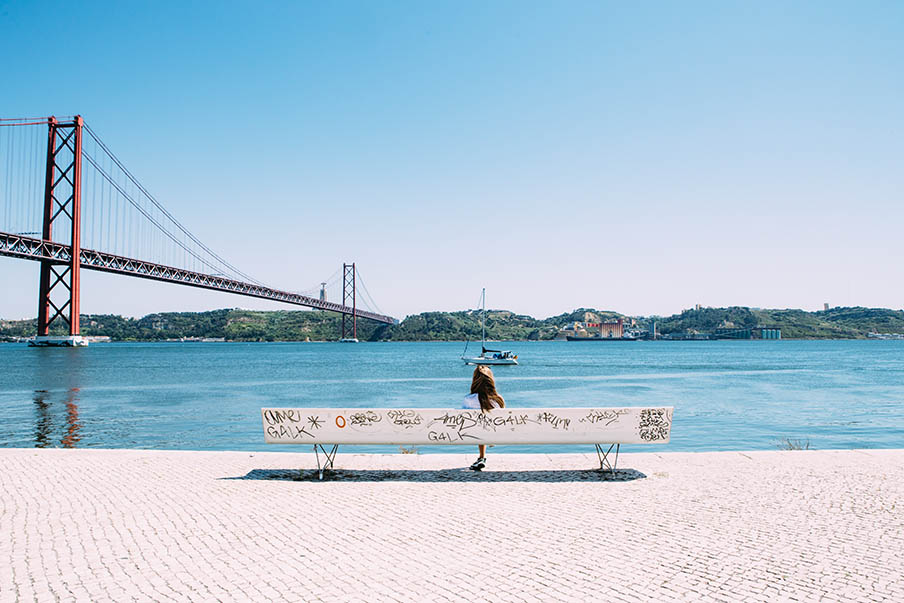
<point>494,357</point>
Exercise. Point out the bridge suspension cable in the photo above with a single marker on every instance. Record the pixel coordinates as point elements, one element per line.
<point>369,302</point>
<point>22,159</point>
<point>199,251</point>
<point>116,219</point>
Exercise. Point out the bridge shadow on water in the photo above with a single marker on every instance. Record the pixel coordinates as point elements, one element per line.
<point>441,475</point>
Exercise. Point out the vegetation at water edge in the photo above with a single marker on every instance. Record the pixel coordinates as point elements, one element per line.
<point>283,325</point>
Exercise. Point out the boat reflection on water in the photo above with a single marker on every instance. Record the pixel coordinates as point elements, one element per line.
<point>44,420</point>
<point>73,427</point>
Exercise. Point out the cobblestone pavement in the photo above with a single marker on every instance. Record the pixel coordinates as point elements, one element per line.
<point>126,525</point>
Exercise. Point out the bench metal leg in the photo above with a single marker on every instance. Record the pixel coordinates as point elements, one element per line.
<point>604,457</point>
<point>328,461</point>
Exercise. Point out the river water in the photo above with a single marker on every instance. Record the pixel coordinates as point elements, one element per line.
<point>728,395</point>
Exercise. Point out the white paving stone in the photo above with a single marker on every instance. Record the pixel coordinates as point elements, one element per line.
<point>124,525</point>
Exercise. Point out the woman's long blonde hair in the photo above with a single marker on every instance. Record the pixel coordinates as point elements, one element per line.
<point>484,386</point>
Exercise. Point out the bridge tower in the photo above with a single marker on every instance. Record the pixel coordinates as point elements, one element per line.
<point>58,292</point>
<point>349,323</point>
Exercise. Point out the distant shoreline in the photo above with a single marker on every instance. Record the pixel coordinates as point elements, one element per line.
<point>501,325</point>
<point>462,341</point>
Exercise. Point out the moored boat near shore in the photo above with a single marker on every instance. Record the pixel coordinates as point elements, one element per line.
<point>495,357</point>
<point>65,341</point>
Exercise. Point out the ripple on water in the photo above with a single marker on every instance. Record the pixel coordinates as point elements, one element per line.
<point>727,395</point>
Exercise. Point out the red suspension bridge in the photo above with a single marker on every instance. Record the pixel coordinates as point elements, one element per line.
<point>69,203</point>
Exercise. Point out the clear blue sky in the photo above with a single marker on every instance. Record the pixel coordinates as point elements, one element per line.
<point>640,157</point>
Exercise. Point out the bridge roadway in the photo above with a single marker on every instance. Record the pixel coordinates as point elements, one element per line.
<point>27,248</point>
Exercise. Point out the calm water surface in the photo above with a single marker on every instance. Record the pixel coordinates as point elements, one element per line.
<point>728,395</point>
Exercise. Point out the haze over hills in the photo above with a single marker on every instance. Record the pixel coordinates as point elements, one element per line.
<point>249,325</point>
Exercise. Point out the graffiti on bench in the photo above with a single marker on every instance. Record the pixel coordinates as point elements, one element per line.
<point>466,426</point>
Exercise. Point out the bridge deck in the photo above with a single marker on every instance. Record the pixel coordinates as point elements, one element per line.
<point>28,248</point>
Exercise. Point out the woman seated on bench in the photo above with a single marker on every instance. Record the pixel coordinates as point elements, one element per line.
<point>485,397</point>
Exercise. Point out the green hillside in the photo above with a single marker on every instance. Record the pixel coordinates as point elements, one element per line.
<point>248,325</point>
<point>836,323</point>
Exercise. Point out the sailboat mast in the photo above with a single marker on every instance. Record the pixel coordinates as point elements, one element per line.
<point>483,319</point>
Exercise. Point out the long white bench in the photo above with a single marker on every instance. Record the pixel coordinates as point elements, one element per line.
<point>322,427</point>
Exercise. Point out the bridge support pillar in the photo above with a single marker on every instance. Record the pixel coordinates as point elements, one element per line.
<point>58,292</point>
<point>349,323</point>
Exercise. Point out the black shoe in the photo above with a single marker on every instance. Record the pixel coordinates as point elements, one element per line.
<point>479,464</point>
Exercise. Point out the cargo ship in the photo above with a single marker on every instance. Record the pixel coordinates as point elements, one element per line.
<point>598,338</point>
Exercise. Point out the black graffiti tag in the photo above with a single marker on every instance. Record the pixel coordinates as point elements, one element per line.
<point>294,432</point>
<point>275,417</point>
<point>449,436</point>
<point>554,420</point>
<point>365,418</point>
<point>606,417</point>
<point>404,418</point>
<point>654,424</point>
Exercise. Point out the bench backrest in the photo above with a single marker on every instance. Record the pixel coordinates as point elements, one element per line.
<point>407,426</point>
